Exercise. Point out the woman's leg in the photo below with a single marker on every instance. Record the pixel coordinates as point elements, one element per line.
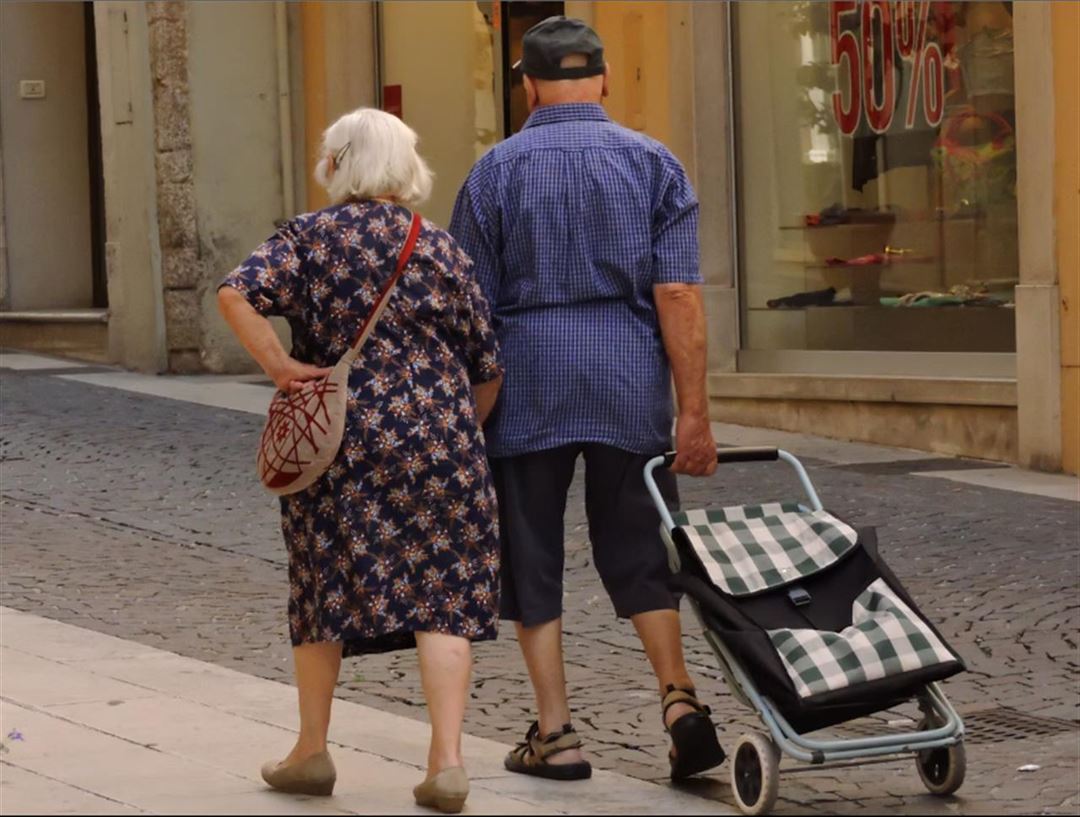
<point>317,667</point>
<point>445,667</point>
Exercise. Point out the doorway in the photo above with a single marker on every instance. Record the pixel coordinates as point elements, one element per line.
<point>518,17</point>
<point>49,129</point>
<point>99,286</point>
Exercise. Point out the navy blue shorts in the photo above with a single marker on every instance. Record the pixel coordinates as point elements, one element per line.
<point>624,529</point>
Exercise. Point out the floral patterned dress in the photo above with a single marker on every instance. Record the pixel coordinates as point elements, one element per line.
<point>401,533</point>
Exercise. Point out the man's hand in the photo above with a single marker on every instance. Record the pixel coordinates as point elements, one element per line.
<point>291,376</point>
<point>694,445</point>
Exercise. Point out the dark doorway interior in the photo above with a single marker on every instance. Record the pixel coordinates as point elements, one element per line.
<point>518,17</point>
<point>97,174</point>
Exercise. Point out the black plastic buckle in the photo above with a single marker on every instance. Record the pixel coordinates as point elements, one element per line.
<point>799,597</point>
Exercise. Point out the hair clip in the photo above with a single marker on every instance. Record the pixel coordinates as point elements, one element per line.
<point>341,154</point>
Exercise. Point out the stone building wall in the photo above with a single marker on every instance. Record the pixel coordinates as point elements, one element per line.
<point>215,71</point>
<point>177,222</point>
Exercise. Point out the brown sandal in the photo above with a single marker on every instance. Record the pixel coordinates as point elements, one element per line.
<point>693,736</point>
<point>531,756</point>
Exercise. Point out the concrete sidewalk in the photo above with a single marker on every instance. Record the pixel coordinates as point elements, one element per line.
<point>98,725</point>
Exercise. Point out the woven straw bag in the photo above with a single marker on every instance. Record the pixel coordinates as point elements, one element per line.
<point>304,429</point>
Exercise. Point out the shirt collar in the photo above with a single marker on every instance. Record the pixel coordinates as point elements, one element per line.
<point>567,112</point>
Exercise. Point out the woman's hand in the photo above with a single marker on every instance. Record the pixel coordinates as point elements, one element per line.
<point>291,376</point>
<point>485,395</point>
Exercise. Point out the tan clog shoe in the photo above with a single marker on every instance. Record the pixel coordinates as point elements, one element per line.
<point>446,791</point>
<point>316,776</point>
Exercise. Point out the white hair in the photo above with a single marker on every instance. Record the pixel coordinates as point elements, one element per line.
<point>380,161</point>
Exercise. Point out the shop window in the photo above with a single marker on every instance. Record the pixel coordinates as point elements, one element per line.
<point>876,175</point>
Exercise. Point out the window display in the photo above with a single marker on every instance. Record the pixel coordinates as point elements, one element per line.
<point>877,175</point>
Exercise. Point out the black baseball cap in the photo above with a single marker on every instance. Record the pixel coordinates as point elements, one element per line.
<point>546,43</point>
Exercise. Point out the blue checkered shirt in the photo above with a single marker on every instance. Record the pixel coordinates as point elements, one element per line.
<point>570,223</point>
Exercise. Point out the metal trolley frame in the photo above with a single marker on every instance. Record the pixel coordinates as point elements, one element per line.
<point>938,742</point>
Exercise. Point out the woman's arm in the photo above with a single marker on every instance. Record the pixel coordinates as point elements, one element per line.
<point>258,336</point>
<point>486,394</point>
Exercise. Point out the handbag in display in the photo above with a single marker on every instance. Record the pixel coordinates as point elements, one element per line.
<point>977,152</point>
<point>304,429</point>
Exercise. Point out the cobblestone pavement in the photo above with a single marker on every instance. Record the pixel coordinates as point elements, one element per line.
<point>137,516</point>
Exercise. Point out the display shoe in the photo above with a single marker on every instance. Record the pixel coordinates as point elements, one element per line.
<point>316,775</point>
<point>446,791</point>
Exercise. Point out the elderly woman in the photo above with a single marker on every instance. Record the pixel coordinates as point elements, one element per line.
<point>397,543</point>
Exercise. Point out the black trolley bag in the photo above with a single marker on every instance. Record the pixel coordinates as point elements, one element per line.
<point>812,629</point>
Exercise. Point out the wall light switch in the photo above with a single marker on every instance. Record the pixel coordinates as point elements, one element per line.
<point>32,89</point>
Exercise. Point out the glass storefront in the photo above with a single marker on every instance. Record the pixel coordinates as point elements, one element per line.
<point>876,175</point>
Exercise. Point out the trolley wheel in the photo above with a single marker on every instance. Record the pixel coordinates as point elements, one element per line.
<point>942,770</point>
<point>755,773</point>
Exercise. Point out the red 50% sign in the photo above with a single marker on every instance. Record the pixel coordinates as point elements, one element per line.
<point>859,29</point>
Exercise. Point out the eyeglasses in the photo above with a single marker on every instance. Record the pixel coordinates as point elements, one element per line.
<point>341,155</point>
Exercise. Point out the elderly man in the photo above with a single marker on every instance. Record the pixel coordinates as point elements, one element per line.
<point>584,239</point>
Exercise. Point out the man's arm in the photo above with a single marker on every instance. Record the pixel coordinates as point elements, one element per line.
<point>474,235</point>
<point>681,311</point>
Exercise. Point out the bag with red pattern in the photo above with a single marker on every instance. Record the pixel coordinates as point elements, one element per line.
<point>304,429</point>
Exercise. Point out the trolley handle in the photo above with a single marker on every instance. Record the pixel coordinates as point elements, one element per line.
<point>746,454</point>
<point>738,454</point>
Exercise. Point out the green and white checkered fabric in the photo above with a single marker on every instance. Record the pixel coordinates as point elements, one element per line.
<point>751,548</point>
<point>886,638</point>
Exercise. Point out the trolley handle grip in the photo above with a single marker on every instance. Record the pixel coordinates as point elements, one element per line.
<point>739,454</point>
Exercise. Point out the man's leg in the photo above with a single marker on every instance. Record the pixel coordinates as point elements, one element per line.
<point>532,492</point>
<point>542,647</point>
<point>660,632</point>
<point>633,564</point>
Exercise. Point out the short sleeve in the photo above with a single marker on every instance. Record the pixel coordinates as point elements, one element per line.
<point>270,278</point>
<point>675,228</point>
<point>471,229</point>
<point>480,348</point>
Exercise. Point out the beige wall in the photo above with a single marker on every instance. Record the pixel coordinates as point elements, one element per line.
<point>648,46</point>
<point>3,232</point>
<point>46,169</point>
<point>328,68</point>
<point>236,150</point>
<point>707,119</point>
<point>429,48</point>
<point>132,249</point>
<point>1038,296</point>
<point>453,108</point>
<point>1066,33</point>
<point>338,63</point>
<point>635,39</point>
<point>669,80</point>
